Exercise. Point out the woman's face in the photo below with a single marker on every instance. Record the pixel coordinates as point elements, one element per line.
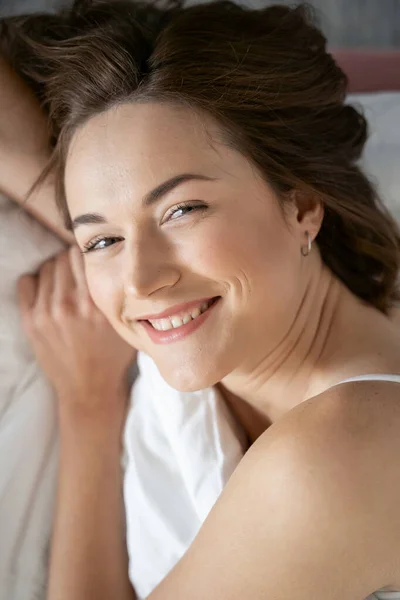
<point>173,221</point>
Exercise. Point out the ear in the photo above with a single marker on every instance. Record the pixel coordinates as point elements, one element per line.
<point>308,212</point>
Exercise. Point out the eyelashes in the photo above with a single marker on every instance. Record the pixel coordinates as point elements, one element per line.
<point>92,245</point>
<point>185,208</point>
<point>104,242</point>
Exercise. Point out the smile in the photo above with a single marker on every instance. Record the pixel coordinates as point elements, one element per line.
<point>181,324</point>
<point>182,318</point>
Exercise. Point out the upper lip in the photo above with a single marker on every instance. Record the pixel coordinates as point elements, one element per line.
<point>174,310</point>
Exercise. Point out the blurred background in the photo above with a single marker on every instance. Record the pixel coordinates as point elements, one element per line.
<point>347,23</point>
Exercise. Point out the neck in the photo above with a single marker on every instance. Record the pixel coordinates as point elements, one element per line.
<point>276,381</point>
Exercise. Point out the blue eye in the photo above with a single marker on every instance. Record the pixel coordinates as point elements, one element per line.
<point>180,210</point>
<point>100,243</point>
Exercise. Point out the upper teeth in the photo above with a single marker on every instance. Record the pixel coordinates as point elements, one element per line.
<point>179,320</point>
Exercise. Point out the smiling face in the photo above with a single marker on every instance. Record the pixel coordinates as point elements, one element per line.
<point>182,225</point>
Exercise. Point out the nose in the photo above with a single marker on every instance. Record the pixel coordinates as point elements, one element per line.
<point>149,268</point>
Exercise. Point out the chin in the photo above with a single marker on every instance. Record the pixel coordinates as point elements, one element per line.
<point>189,377</point>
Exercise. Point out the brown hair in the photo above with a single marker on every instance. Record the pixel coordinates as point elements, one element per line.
<point>264,75</point>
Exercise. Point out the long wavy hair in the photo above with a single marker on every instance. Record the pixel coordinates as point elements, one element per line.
<point>264,75</point>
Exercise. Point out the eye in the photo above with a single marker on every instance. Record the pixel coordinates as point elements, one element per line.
<point>180,210</point>
<point>100,243</point>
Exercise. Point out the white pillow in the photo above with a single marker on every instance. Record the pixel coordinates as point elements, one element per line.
<point>28,425</point>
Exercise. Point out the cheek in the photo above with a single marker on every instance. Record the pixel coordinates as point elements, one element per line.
<point>103,289</point>
<point>254,251</point>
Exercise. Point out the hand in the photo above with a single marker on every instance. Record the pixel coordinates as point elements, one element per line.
<point>75,345</point>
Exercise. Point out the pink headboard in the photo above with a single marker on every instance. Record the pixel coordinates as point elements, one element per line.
<point>370,70</point>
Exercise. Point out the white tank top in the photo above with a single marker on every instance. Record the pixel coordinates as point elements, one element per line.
<point>393,378</point>
<point>379,594</point>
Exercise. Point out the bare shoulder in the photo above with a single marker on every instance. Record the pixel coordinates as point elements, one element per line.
<point>339,453</point>
<point>350,437</point>
<point>353,428</point>
<point>361,414</point>
<point>343,423</point>
<point>355,425</point>
<point>311,511</point>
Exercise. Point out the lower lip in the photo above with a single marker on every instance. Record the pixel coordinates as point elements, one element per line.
<point>174,335</point>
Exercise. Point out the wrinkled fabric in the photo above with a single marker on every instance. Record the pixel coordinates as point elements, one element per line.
<point>181,448</point>
<point>28,424</point>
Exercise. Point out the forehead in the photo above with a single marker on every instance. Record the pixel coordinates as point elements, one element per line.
<point>142,144</point>
<point>140,127</point>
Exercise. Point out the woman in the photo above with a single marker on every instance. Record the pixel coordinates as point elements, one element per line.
<point>206,163</point>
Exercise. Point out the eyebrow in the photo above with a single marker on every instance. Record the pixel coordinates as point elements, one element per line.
<point>149,199</point>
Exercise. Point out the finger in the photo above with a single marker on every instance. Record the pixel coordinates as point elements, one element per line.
<point>26,294</point>
<point>78,270</point>
<point>45,287</point>
<point>64,280</point>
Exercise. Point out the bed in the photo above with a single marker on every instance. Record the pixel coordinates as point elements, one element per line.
<point>28,429</point>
